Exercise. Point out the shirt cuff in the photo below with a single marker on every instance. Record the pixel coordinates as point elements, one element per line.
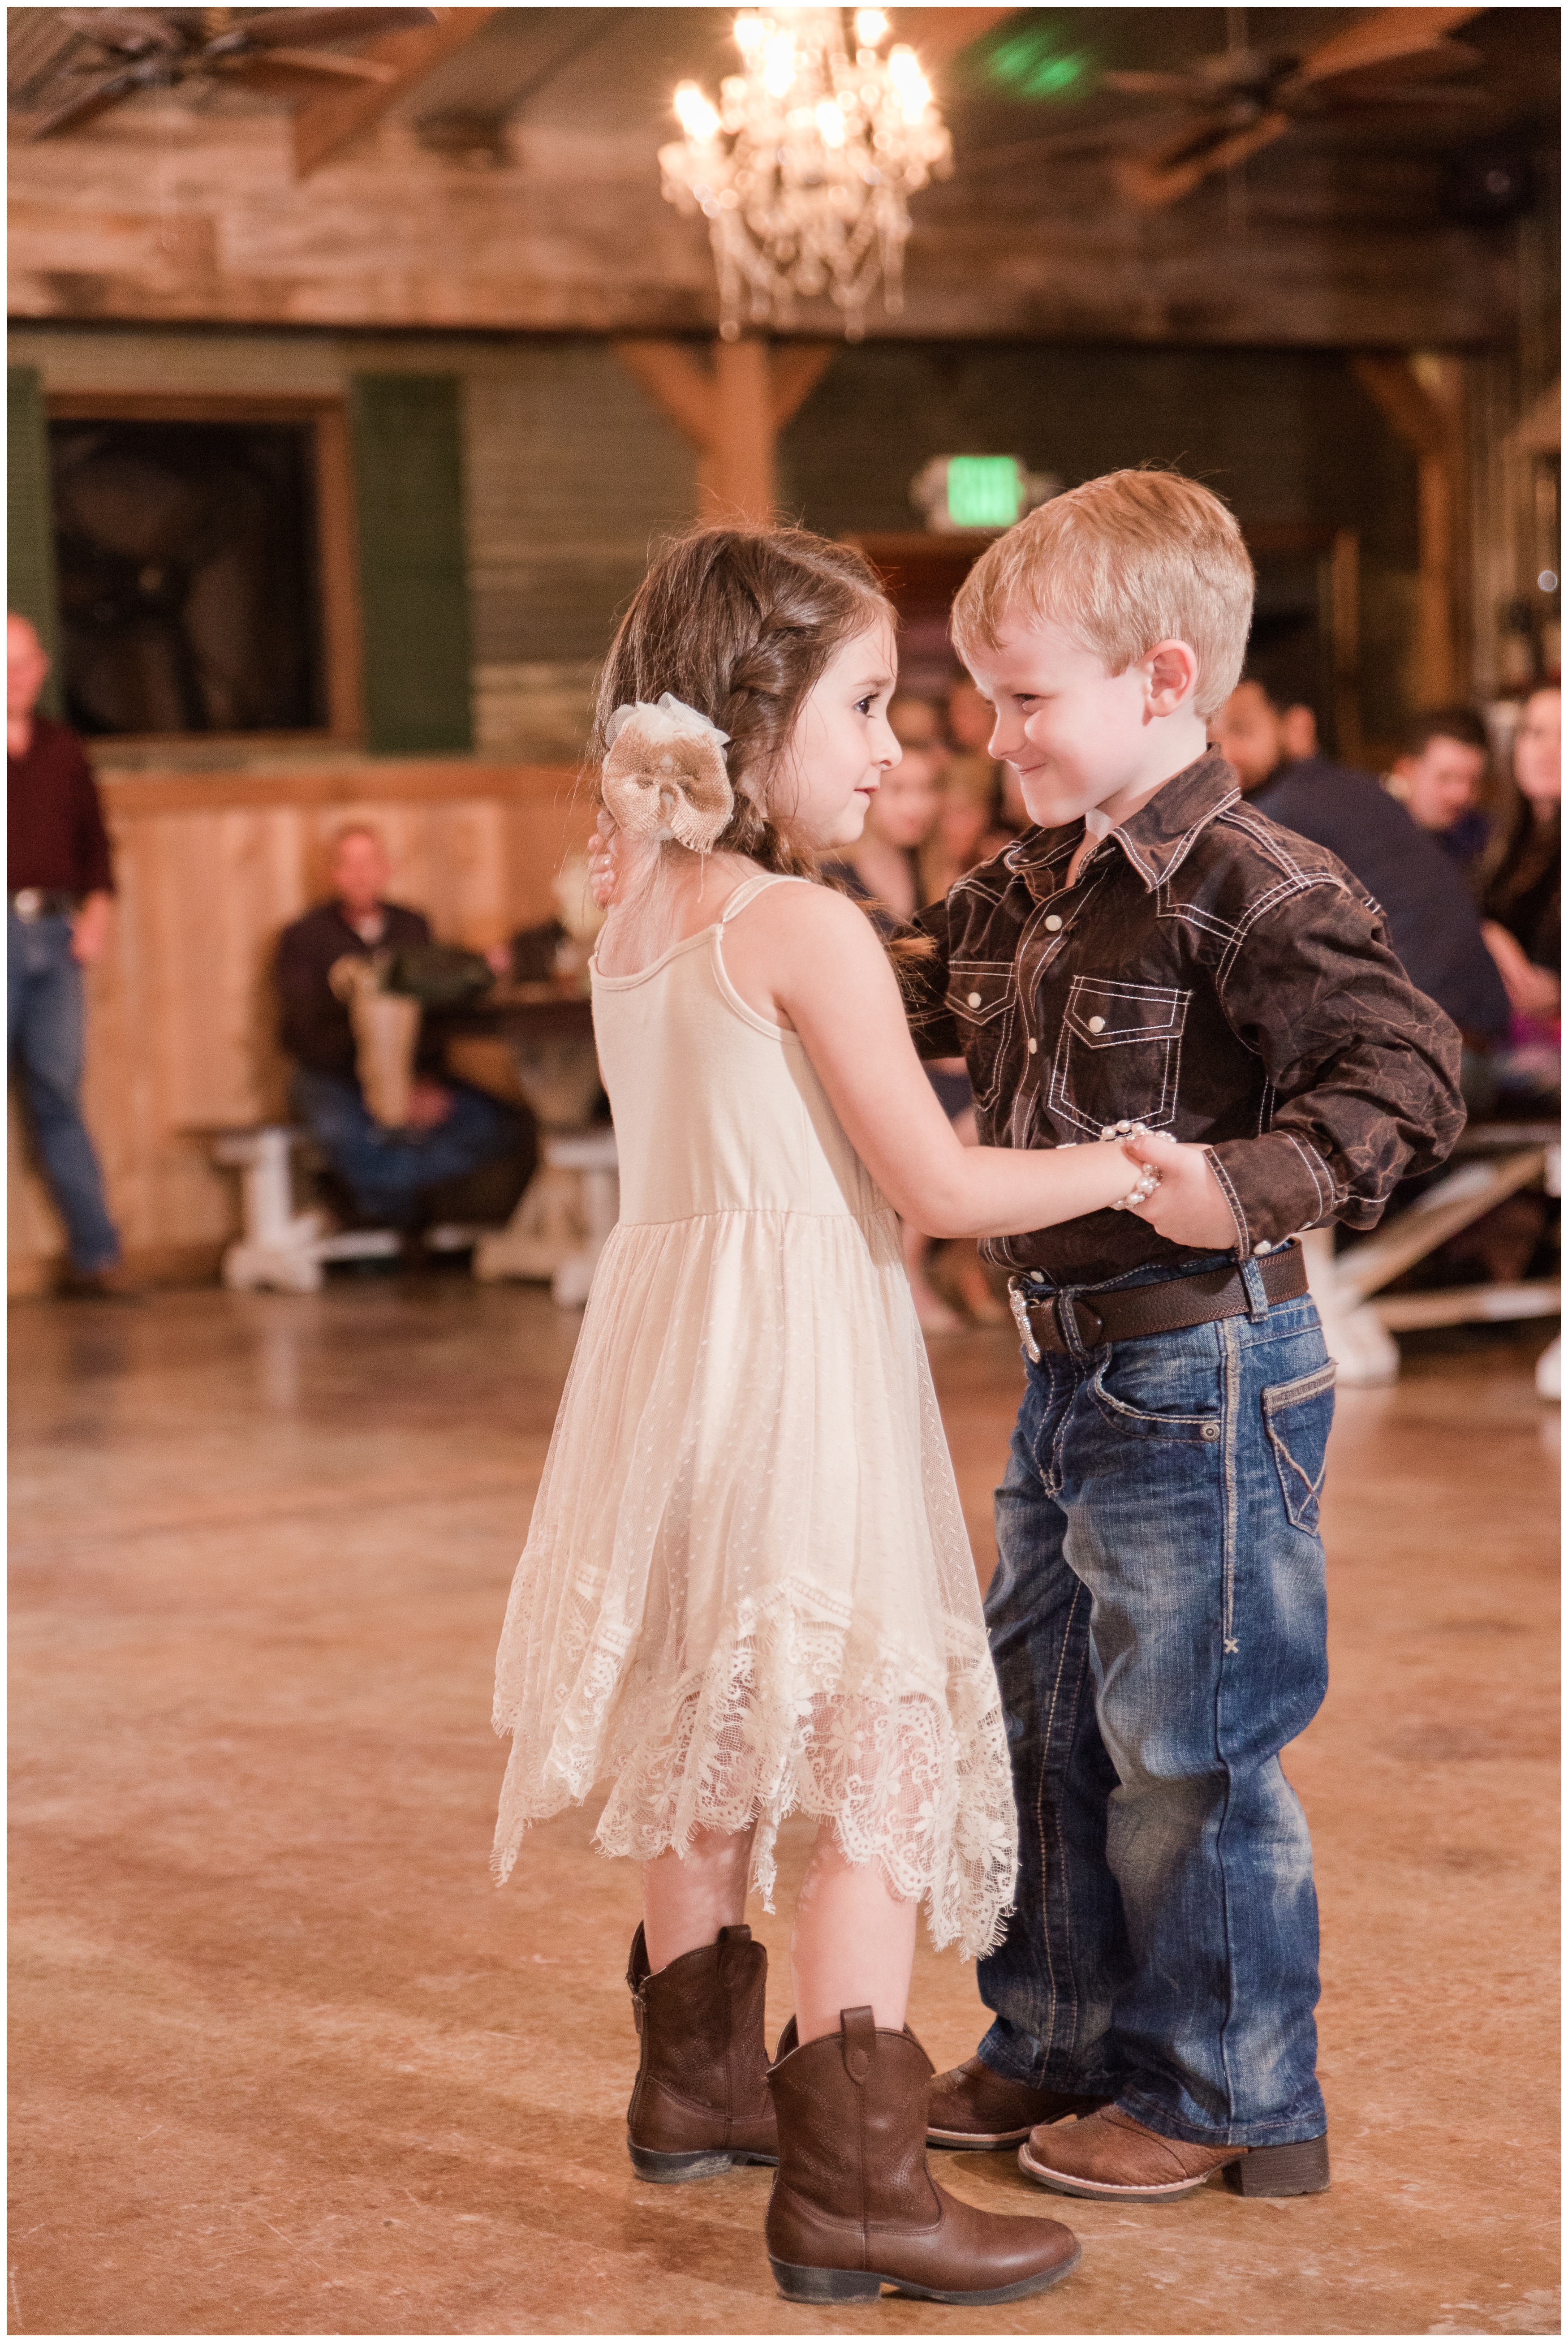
<point>1277,1187</point>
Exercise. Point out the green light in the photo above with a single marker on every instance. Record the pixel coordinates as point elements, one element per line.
<point>983,491</point>
<point>1030,64</point>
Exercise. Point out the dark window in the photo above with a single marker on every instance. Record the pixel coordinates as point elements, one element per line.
<point>189,596</point>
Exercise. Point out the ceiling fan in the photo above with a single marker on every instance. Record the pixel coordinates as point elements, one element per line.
<point>1245,98</point>
<point>274,49</point>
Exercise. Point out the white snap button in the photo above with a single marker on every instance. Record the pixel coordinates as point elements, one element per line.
<point>1263,1248</point>
<point>974,1000</point>
<point>1054,923</point>
<point>1210,1431</point>
<point>1096,1024</point>
<point>1033,1045</point>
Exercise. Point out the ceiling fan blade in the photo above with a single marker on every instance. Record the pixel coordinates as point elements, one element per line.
<point>314,64</point>
<point>135,30</point>
<point>1154,181</point>
<point>1391,36</point>
<point>1148,84</point>
<point>88,104</point>
<point>289,28</point>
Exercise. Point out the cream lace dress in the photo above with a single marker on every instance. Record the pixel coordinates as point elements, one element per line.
<point>747,1589</point>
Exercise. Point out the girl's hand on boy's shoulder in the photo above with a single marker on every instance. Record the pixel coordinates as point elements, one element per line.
<point>1188,1207</point>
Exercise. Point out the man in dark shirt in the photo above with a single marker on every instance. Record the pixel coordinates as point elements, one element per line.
<point>451,1129</point>
<point>57,910</point>
<point>1432,922</point>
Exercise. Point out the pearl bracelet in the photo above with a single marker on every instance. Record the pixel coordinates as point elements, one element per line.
<point>1148,1177</point>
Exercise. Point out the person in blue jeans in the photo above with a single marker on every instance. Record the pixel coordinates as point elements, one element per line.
<point>1155,959</point>
<point>451,1129</point>
<point>60,884</point>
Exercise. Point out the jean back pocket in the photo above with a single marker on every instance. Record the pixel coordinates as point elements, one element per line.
<point>1296,1417</point>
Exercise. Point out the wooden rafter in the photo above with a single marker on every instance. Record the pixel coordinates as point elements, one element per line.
<point>731,412</point>
<point>327,123</point>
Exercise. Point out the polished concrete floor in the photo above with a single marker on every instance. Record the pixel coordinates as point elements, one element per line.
<point>283,2061</point>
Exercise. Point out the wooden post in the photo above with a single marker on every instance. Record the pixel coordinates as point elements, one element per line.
<point>1419,398</point>
<point>732,412</point>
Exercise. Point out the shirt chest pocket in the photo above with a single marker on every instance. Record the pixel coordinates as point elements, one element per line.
<point>1119,1055</point>
<point>979,994</point>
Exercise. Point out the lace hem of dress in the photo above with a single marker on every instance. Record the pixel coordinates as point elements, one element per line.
<point>793,1714</point>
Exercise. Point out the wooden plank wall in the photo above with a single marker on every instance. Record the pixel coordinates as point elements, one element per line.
<point>210,867</point>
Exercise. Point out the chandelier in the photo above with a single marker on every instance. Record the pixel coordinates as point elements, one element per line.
<point>804,168</point>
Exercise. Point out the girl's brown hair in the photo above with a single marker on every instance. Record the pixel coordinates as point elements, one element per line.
<point>740,624</point>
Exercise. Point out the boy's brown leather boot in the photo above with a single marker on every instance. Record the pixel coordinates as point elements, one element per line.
<point>701,2100</point>
<point>855,2207</point>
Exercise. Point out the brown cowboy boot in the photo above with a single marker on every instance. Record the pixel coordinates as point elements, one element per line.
<point>974,2109</point>
<point>1112,2156</point>
<point>855,2207</point>
<point>701,2100</point>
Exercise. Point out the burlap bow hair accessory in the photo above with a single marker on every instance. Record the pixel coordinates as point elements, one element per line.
<point>664,774</point>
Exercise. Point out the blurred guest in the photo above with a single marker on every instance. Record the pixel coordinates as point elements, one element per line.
<point>1432,922</point>
<point>61,890</point>
<point>917,723</point>
<point>968,830</point>
<point>1298,727</point>
<point>885,859</point>
<point>1521,879</point>
<point>971,720</point>
<point>1438,778</point>
<point>451,1129</point>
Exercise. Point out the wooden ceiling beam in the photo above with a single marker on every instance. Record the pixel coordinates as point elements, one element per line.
<point>325,124</point>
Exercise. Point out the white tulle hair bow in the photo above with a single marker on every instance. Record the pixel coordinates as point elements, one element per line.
<point>664,776</point>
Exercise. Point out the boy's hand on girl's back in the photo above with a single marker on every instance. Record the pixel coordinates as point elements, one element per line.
<point>1188,1207</point>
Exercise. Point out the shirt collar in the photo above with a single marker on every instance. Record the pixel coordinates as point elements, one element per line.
<point>1157,839</point>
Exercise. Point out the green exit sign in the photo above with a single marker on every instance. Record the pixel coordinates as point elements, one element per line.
<point>983,491</point>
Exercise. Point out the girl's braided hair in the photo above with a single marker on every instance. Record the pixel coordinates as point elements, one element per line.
<point>740,624</point>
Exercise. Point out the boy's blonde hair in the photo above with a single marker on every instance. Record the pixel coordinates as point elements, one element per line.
<point>1121,564</point>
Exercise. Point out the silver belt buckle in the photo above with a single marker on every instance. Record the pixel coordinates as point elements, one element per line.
<point>1021,1319</point>
<point>28,901</point>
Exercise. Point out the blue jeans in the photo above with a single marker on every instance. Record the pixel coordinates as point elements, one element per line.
<point>44,1033</point>
<point>389,1170</point>
<point>1158,1624</point>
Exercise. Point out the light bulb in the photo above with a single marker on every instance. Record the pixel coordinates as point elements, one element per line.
<point>869,27</point>
<point>694,113</point>
<point>830,122</point>
<point>778,64</point>
<point>750,31</point>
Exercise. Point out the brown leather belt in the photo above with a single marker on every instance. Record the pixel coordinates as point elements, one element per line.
<point>1141,1309</point>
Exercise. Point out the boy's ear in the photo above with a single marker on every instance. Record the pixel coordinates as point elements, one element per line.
<point>1173,671</point>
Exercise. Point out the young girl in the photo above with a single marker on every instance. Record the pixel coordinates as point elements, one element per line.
<point>748,1589</point>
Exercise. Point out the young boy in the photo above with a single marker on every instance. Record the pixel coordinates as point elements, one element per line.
<point>1153,952</point>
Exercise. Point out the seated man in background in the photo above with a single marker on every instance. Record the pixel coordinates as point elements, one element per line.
<point>1438,779</point>
<point>1432,922</point>
<point>452,1130</point>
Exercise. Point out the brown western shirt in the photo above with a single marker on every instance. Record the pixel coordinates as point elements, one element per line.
<point>1211,975</point>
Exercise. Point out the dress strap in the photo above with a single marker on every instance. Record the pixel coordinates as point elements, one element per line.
<point>750,888</point>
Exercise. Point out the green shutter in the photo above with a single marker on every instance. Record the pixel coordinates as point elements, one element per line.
<point>31,589</point>
<point>413,577</point>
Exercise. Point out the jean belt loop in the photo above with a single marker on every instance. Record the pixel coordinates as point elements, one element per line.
<point>1067,1326</point>
<point>1258,1292</point>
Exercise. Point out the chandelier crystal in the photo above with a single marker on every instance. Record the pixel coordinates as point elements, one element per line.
<point>804,168</point>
